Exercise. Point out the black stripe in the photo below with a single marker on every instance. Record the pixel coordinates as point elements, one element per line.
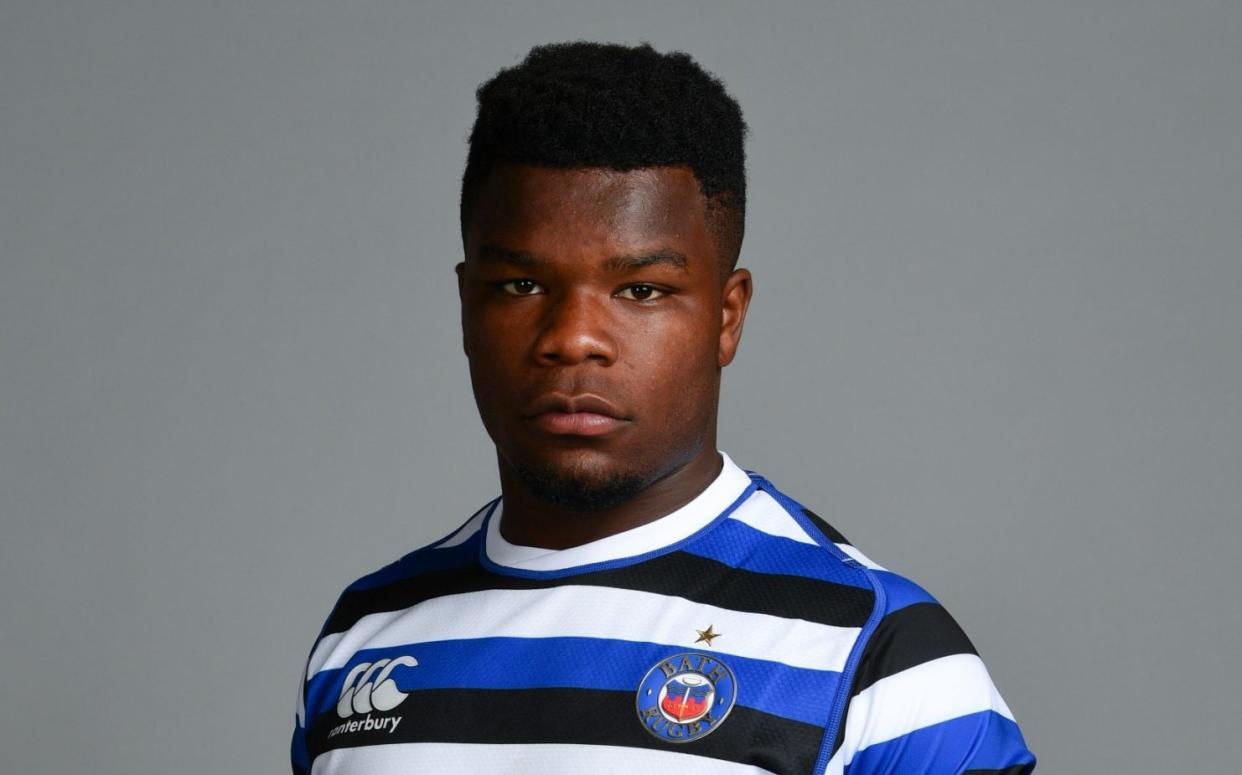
<point>679,574</point>
<point>905,638</point>
<point>828,530</point>
<point>572,716</point>
<point>908,637</point>
<point>1017,769</point>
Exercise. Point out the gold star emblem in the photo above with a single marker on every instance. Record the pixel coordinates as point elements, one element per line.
<point>707,636</point>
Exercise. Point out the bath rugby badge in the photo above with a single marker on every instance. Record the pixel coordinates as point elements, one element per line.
<point>686,696</point>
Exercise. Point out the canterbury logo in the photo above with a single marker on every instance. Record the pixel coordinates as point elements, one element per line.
<point>368,687</point>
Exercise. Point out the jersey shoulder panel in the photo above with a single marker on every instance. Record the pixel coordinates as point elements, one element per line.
<point>921,697</point>
<point>410,578</point>
<point>435,554</point>
<point>918,697</point>
<point>806,543</point>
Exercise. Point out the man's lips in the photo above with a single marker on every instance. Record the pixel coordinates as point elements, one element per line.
<point>576,423</point>
<point>583,415</point>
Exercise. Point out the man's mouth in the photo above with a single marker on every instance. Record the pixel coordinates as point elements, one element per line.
<point>581,415</point>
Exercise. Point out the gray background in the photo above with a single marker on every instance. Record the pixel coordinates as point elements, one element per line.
<point>995,341</point>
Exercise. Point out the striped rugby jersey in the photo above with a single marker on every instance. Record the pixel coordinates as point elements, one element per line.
<point>738,635</point>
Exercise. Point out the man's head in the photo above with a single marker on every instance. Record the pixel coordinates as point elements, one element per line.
<point>575,105</point>
<point>602,210</point>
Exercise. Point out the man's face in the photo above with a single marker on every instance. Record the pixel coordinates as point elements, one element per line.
<point>597,316</point>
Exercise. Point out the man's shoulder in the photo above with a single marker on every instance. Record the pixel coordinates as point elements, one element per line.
<point>917,682</point>
<point>807,540</point>
<point>896,591</point>
<point>782,516</point>
<point>910,625</point>
<point>455,551</point>
<point>905,626</point>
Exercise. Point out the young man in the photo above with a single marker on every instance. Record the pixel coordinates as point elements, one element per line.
<point>634,601</point>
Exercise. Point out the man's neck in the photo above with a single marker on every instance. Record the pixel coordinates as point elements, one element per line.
<point>530,521</point>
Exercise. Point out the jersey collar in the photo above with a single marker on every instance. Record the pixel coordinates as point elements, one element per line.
<point>724,492</point>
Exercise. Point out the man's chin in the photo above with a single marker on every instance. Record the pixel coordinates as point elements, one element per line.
<point>579,489</point>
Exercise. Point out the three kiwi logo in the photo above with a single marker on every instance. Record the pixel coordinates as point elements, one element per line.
<point>368,687</point>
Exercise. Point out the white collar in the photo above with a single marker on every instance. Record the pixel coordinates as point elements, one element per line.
<point>727,487</point>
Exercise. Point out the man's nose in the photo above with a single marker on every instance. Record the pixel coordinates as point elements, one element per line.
<point>577,328</point>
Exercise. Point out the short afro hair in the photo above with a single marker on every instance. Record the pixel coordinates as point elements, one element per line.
<point>575,105</point>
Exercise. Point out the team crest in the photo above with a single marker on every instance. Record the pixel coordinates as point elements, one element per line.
<point>686,696</point>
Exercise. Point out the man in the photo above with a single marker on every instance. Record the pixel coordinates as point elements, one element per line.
<point>634,601</point>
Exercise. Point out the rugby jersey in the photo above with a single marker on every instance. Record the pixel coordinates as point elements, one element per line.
<point>740,634</point>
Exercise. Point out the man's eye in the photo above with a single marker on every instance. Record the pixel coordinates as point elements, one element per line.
<point>520,287</point>
<point>640,292</point>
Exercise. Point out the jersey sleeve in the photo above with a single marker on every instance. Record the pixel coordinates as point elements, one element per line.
<point>298,754</point>
<point>923,702</point>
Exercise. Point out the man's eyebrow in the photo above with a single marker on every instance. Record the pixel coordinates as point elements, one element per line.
<point>495,253</point>
<point>671,257</point>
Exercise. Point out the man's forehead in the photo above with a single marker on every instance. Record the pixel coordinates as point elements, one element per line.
<point>491,253</point>
<point>664,199</point>
<point>603,213</point>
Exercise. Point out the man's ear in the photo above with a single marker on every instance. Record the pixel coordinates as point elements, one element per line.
<point>460,269</point>
<point>735,300</point>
